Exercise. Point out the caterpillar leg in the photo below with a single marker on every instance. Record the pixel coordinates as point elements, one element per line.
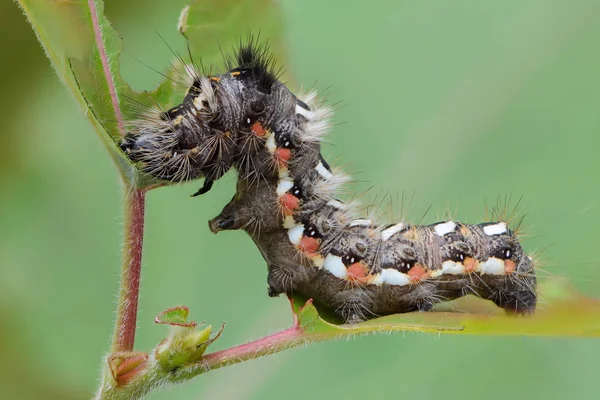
<point>279,280</point>
<point>272,292</point>
<point>357,306</point>
<point>208,183</point>
<point>523,303</point>
<point>354,312</point>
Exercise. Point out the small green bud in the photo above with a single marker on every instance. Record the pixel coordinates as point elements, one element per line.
<point>185,344</point>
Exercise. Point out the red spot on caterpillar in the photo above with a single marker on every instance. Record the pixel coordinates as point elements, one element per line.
<point>282,156</point>
<point>417,272</point>
<point>309,245</point>
<point>509,266</point>
<point>470,264</point>
<point>289,203</point>
<point>358,272</point>
<point>258,129</point>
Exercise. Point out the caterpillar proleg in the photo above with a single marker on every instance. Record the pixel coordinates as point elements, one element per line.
<point>313,243</point>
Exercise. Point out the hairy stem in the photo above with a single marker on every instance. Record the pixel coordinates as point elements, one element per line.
<point>134,203</point>
<point>271,344</point>
<point>124,335</point>
<point>283,340</point>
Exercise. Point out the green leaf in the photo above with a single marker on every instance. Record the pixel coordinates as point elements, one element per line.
<point>561,312</point>
<point>84,51</point>
<point>176,316</point>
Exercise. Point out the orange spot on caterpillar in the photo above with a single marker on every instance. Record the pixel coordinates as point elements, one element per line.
<point>309,245</point>
<point>282,156</point>
<point>289,203</point>
<point>509,266</point>
<point>215,79</point>
<point>470,264</point>
<point>358,272</point>
<point>235,73</point>
<point>258,129</point>
<point>417,272</point>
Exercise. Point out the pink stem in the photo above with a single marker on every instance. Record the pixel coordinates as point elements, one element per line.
<point>124,335</point>
<point>105,66</point>
<point>288,338</point>
<point>285,339</point>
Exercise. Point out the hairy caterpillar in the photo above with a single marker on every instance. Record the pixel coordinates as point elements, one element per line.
<point>313,243</point>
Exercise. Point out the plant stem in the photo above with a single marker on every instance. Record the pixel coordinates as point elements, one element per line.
<point>124,335</point>
<point>283,340</point>
<point>134,202</point>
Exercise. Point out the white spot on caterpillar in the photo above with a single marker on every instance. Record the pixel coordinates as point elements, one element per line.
<point>391,231</point>
<point>271,145</point>
<point>377,279</point>
<point>492,265</point>
<point>361,222</point>
<point>325,174</point>
<point>284,185</point>
<point>452,268</point>
<point>496,229</point>
<point>338,205</point>
<point>304,112</point>
<point>394,277</point>
<point>335,265</point>
<point>295,234</point>
<point>444,228</point>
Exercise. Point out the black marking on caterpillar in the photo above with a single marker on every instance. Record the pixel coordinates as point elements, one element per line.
<point>286,201</point>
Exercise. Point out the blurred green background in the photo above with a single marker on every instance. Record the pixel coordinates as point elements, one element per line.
<point>457,102</point>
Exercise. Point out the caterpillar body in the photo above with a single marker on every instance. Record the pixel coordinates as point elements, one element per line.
<point>286,200</point>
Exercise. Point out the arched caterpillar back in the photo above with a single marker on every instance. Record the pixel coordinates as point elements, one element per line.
<point>313,243</point>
